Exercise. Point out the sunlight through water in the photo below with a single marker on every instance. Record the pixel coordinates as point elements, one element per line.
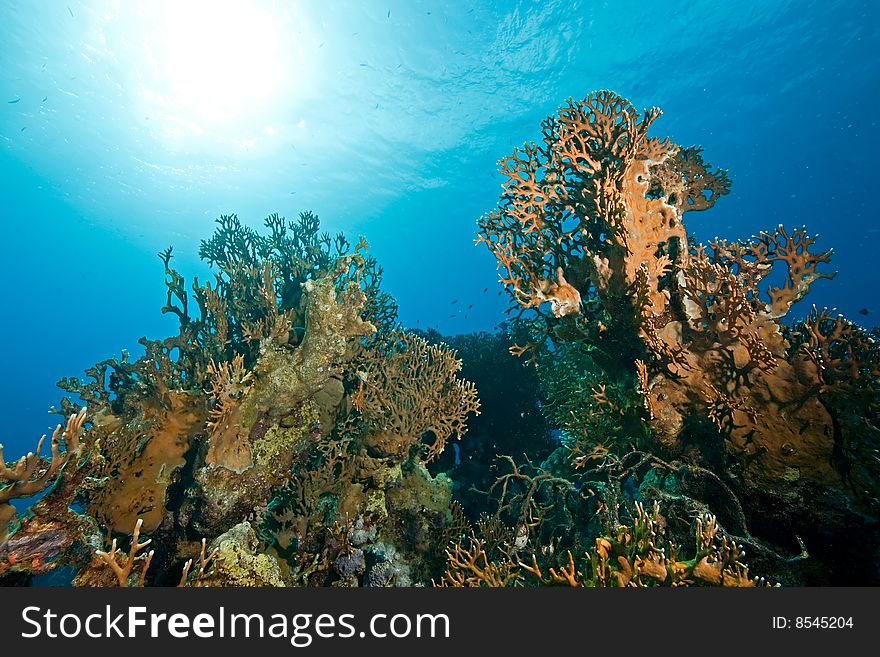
<point>211,67</point>
<point>215,60</point>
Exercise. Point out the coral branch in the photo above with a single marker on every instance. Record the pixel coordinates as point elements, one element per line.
<point>31,474</point>
<point>411,390</point>
<point>122,564</point>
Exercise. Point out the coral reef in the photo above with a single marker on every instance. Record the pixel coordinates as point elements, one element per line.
<point>285,426</point>
<point>237,561</point>
<point>403,405</point>
<point>636,555</point>
<point>32,474</point>
<point>646,339</point>
<point>649,413</point>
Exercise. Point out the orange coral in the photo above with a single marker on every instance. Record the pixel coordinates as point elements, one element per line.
<point>411,391</point>
<point>142,456</point>
<point>31,473</point>
<point>634,555</point>
<point>122,565</point>
<point>229,382</point>
<point>638,555</point>
<point>688,325</point>
<point>471,567</point>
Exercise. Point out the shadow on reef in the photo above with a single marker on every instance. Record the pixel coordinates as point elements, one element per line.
<point>511,420</point>
<point>646,417</point>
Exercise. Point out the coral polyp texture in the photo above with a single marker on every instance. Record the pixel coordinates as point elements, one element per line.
<point>649,416</point>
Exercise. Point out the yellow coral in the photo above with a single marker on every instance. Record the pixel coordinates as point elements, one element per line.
<point>237,561</point>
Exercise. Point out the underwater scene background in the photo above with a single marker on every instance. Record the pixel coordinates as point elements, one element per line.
<point>658,391</point>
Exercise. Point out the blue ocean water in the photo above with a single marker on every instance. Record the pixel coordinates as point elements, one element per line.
<point>129,126</point>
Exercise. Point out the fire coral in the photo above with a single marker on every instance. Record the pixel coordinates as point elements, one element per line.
<point>590,240</point>
<point>257,419</point>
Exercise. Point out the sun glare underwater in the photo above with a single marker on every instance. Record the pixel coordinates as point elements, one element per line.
<point>452,294</point>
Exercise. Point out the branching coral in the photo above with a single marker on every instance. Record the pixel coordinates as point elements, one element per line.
<point>411,390</point>
<point>249,411</point>
<point>116,567</point>
<point>121,564</point>
<point>847,359</point>
<point>470,567</point>
<point>577,206</point>
<point>844,353</point>
<point>261,278</point>
<point>285,396</point>
<point>688,330</point>
<point>32,474</point>
<point>638,555</point>
<point>201,573</point>
<point>208,425</point>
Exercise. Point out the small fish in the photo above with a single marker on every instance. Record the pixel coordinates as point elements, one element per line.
<point>485,289</point>
<point>470,306</point>
<point>455,301</point>
<point>453,316</point>
<point>865,311</point>
<point>45,99</point>
<point>13,101</point>
<point>389,14</point>
<point>23,129</point>
<point>71,11</point>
